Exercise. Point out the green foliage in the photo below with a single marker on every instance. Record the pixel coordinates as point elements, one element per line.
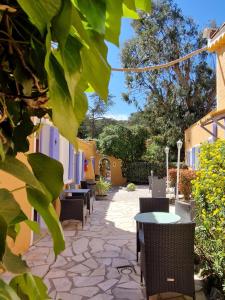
<point>173,98</point>
<point>155,155</point>
<point>131,187</point>
<point>127,144</point>
<point>137,172</point>
<point>51,52</point>
<point>102,187</point>
<point>208,192</point>
<point>96,110</point>
<point>29,287</point>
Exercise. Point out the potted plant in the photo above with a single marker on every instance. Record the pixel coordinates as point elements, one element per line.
<point>102,188</point>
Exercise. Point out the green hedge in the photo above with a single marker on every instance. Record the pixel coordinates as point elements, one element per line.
<point>137,172</point>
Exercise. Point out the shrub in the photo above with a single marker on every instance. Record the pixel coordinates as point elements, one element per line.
<point>209,194</point>
<point>173,177</point>
<point>137,172</point>
<point>185,186</point>
<point>102,187</point>
<point>131,187</point>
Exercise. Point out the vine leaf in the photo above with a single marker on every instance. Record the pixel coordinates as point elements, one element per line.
<point>18,169</point>
<point>10,209</point>
<point>94,11</point>
<point>7,292</point>
<point>49,172</point>
<point>34,226</point>
<point>63,112</point>
<point>113,20</point>
<point>40,12</point>
<point>39,201</point>
<point>29,287</point>
<point>14,263</point>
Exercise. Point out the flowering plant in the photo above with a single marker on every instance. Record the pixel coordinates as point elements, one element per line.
<point>209,194</point>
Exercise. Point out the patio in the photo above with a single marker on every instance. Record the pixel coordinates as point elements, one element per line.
<point>87,269</point>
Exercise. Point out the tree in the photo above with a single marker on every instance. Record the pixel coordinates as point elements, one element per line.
<point>175,97</point>
<point>127,144</point>
<point>50,53</point>
<point>96,111</point>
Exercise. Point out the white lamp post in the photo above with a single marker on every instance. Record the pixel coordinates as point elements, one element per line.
<point>179,146</point>
<point>167,149</point>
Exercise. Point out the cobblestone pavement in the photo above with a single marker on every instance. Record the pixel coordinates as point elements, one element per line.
<point>87,269</point>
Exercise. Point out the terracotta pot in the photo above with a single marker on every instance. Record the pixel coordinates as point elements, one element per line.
<point>57,205</point>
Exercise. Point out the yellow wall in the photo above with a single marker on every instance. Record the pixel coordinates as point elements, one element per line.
<point>8,181</point>
<point>115,168</point>
<point>195,135</point>
<point>220,77</point>
<point>90,151</point>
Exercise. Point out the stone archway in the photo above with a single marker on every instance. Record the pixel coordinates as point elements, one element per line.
<point>105,169</point>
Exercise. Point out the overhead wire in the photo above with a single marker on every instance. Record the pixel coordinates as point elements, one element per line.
<point>161,66</point>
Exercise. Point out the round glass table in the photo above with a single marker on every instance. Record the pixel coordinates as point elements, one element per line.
<point>157,218</point>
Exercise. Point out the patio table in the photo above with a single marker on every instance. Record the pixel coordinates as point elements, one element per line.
<point>86,193</point>
<point>157,217</point>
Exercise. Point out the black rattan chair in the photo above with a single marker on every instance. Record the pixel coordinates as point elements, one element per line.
<point>73,208</point>
<point>151,205</point>
<point>167,258</point>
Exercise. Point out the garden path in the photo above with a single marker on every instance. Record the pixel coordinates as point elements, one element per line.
<point>87,269</point>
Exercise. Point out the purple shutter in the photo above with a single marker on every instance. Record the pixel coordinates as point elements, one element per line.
<point>77,168</point>
<point>40,141</point>
<point>54,143</point>
<point>74,167</point>
<point>82,168</point>
<point>193,158</point>
<point>71,163</point>
<point>214,130</point>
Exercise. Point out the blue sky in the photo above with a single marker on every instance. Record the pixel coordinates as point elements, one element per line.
<point>202,11</point>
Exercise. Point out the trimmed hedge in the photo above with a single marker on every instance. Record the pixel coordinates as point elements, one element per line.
<point>137,172</point>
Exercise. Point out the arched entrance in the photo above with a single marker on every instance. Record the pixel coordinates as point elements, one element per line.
<point>105,169</point>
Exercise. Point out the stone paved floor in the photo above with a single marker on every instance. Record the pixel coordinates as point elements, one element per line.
<point>87,269</point>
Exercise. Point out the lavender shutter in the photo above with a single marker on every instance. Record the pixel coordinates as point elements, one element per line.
<point>214,130</point>
<point>82,168</point>
<point>74,167</point>
<point>193,158</point>
<point>54,143</point>
<point>40,142</point>
<point>77,167</point>
<point>71,156</point>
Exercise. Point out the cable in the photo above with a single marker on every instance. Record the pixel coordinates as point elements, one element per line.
<point>167,65</point>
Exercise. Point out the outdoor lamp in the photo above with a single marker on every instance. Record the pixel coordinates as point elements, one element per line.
<point>179,146</point>
<point>167,149</point>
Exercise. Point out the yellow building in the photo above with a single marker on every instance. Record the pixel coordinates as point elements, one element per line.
<point>80,164</point>
<point>94,160</point>
<point>211,126</point>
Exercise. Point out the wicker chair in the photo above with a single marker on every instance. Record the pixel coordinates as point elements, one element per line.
<point>73,208</point>
<point>167,258</point>
<point>151,205</point>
